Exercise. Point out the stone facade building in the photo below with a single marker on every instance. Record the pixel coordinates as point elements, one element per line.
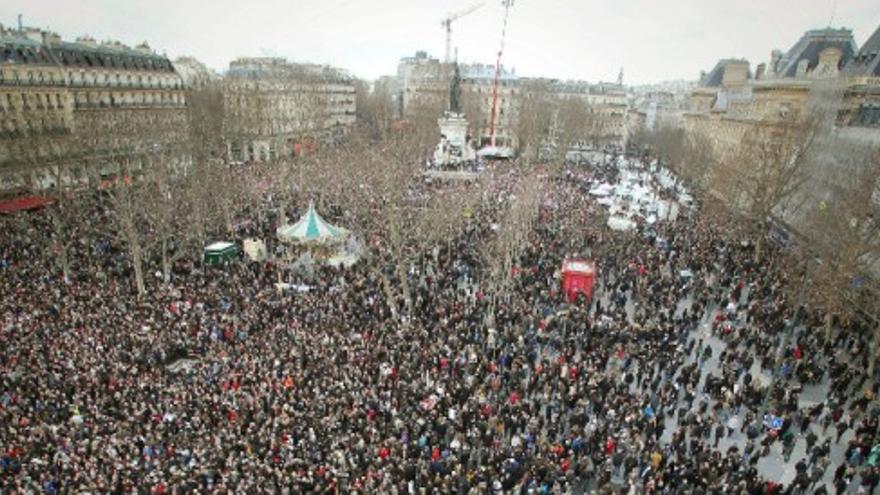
<point>730,100</point>
<point>477,83</point>
<point>608,105</point>
<point>72,112</point>
<point>863,90</point>
<point>823,78</point>
<point>273,108</point>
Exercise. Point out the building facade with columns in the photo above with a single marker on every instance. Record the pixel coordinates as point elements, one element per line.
<point>74,112</point>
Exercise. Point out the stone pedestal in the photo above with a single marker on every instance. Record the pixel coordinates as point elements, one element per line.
<point>453,148</point>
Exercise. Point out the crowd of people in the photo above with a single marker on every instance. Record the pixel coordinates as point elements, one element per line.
<point>219,383</point>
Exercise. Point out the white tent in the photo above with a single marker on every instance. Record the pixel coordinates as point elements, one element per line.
<point>495,152</point>
<point>604,189</point>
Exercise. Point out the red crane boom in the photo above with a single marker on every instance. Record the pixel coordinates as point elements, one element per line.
<point>507,4</point>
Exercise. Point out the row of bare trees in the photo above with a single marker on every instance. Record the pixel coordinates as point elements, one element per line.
<point>150,175</point>
<point>519,209</point>
<point>809,175</point>
<point>546,122</point>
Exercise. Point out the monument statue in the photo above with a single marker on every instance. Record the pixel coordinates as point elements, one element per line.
<point>454,148</point>
<point>455,90</point>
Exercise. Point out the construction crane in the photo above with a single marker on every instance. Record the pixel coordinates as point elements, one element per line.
<point>447,24</point>
<point>507,4</point>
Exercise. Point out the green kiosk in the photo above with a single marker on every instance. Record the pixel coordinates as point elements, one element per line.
<point>220,252</point>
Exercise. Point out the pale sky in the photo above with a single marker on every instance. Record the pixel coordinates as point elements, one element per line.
<point>653,40</point>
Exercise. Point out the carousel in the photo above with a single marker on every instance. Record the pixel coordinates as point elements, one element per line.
<point>312,239</point>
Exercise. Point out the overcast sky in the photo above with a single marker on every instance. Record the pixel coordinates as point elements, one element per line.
<point>653,40</point>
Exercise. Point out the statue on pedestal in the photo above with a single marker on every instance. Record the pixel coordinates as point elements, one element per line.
<point>454,148</point>
<point>455,90</point>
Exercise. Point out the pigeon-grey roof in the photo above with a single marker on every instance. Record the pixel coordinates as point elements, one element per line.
<point>867,62</point>
<point>812,43</point>
<point>715,77</point>
<point>18,49</point>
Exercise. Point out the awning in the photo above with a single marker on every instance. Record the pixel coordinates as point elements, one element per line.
<point>24,203</point>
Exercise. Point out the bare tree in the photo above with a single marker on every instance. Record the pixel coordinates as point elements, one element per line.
<point>206,144</point>
<point>667,143</point>
<point>767,169</point>
<point>375,108</point>
<point>51,173</point>
<point>534,118</point>
<point>475,112</point>
<point>130,224</point>
<point>845,230</point>
<point>512,230</point>
<point>696,161</point>
<point>574,122</point>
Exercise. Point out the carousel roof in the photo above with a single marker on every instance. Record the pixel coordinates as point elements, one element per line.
<point>311,228</point>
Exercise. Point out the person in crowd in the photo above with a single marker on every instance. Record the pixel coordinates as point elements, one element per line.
<point>219,383</point>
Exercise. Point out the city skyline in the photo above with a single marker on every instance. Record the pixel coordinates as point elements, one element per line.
<point>555,38</point>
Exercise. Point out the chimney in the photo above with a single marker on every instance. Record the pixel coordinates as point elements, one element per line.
<point>760,70</point>
<point>775,57</point>
<point>736,73</point>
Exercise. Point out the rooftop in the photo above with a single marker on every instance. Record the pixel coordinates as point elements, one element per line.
<point>867,61</point>
<point>256,67</point>
<point>716,77</point>
<point>811,44</point>
<point>39,47</point>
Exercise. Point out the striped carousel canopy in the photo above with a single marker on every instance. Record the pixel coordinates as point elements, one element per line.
<point>311,228</point>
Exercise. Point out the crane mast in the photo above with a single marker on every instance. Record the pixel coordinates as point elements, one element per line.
<point>507,4</point>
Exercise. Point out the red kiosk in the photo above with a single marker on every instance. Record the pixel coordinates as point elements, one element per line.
<point>578,276</point>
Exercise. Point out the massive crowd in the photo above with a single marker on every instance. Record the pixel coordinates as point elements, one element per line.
<point>222,384</point>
